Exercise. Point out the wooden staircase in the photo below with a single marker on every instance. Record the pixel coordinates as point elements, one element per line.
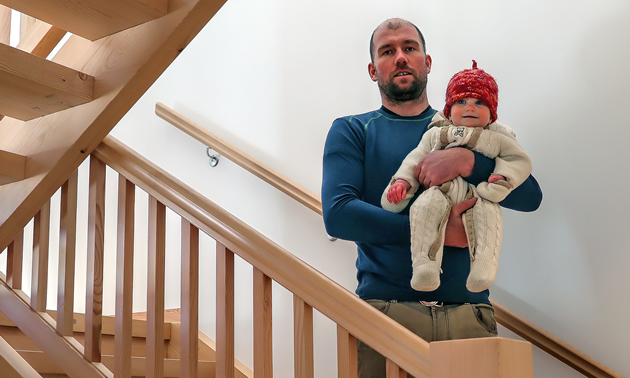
<point>46,367</point>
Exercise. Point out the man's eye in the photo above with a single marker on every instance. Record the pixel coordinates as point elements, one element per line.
<point>410,48</point>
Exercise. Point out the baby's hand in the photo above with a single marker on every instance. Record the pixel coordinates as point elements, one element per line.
<point>494,178</point>
<point>396,192</point>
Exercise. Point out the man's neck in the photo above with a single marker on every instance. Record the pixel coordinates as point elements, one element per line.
<point>407,108</point>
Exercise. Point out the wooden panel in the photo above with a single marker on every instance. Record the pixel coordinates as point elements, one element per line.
<point>5,24</point>
<point>303,338</point>
<point>67,252</point>
<point>15,254</point>
<point>189,347</point>
<point>225,312</point>
<point>95,257</point>
<point>346,354</point>
<point>155,288</point>
<point>12,365</point>
<point>92,19</point>
<point>124,277</point>
<point>12,167</point>
<point>263,335</point>
<point>41,39</point>
<point>41,241</point>
<point>60,349</point>
<point>32,87</point>
<point>493,357</point>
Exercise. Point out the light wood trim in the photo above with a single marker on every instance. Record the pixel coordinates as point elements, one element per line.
<point>189,348</point>
<point>225,311</point>
<point>346,354</point>
<point>124,277</point>
<point>394,371</point>
<point>343,307</point>
<point>95,258</point>
<point>263,328</point>
<point>5,24</point>
<point>67,252</point>
<point>37,87</point>
<point>303,339</point>
<point>237,156</point>
<point>12,167</point>
<point>155,288</point>
<point>552,344</point>
<point>92,19</point>
<point>15,254</point>
<point>12,365</point>
<point>37,327</point>
<point>41,39</point>
<point>41,243</point>
<point>126,65</point>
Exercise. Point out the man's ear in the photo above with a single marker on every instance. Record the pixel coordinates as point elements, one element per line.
<point>372,71</point>
<point>428,61</point>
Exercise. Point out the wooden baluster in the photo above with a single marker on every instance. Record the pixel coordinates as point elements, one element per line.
<point>225,312</point>
<point>394,371</point>
<point>346,353</point>
<point>189,349</point>
<point>303,338</point>
<point>95,252</point>
<point>263,346</point>
<point>124,279</point>
<point>41,239</point>
<point>15,251</point>
<point>67,247</point>
<point>155,286</point>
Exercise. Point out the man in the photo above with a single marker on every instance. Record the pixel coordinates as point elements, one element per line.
<point>362,153</point>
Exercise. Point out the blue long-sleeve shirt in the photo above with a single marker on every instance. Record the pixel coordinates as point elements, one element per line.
<point>361,154</point>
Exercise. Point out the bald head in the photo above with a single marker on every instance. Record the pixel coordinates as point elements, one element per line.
<point>394,24</point>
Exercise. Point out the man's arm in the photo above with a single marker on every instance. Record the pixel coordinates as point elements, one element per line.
<point>346,215</point>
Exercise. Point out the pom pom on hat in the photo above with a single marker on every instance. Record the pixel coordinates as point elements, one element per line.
<point>475,83</point>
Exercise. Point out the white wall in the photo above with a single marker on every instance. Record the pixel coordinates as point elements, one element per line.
<point>270,77</point>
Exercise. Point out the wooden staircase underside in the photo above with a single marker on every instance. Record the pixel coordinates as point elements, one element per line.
<point>123,66</point>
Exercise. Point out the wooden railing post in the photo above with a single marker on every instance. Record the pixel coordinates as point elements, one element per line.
<point>303,338</point>
<point>15,253</point>
<point>263,346</point>
<point>393,370</point>
<point>95,255</point>
<point>492,357</point>
<point>124,278</point>
<point>41,243</point>
<point>67,249</point>
<point>346,353</point>
<point>189,349</point>
<point>155,288</point>
<point>225,312</point>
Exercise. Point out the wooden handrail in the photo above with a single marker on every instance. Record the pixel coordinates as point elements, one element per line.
<point>237,156</point>
<point>360,319</point>
<point>522,327</point>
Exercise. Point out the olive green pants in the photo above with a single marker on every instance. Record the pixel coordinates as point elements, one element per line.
<point>448,322</point>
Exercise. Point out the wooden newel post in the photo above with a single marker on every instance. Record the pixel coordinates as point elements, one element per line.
<point>494,357</point>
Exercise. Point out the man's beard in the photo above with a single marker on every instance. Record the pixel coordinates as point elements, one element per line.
<point>396,94</point>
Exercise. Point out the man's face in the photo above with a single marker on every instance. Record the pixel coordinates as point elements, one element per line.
<point>400,65</point>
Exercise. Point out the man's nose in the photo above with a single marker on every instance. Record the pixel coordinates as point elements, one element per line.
<point>401,58</point>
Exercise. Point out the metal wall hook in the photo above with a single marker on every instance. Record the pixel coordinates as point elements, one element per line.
<point>214,158</point>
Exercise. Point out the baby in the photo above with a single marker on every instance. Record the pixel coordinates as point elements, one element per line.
<point>468,120</point>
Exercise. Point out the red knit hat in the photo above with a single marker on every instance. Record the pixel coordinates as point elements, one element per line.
<point>474,83</point>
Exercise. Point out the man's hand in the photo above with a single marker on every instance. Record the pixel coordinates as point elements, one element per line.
<point>455,234</point>
<point>441,166</point>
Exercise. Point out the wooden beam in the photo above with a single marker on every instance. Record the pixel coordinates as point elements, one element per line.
<point>12,365</point>
<point>125,65</point>
<point>5,24</point>
<point>12,167</point>
<point>32,87</point>
<point>41,39</point>
<point>92,19</point>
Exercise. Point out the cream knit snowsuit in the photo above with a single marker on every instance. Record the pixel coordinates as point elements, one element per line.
<point>429,214</point>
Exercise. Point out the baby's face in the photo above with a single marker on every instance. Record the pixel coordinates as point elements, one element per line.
<point>470,112</point>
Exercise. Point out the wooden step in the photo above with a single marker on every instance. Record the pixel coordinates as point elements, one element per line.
<point>12,167</point>
<point>91,19</point>
<point>31,87</point>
